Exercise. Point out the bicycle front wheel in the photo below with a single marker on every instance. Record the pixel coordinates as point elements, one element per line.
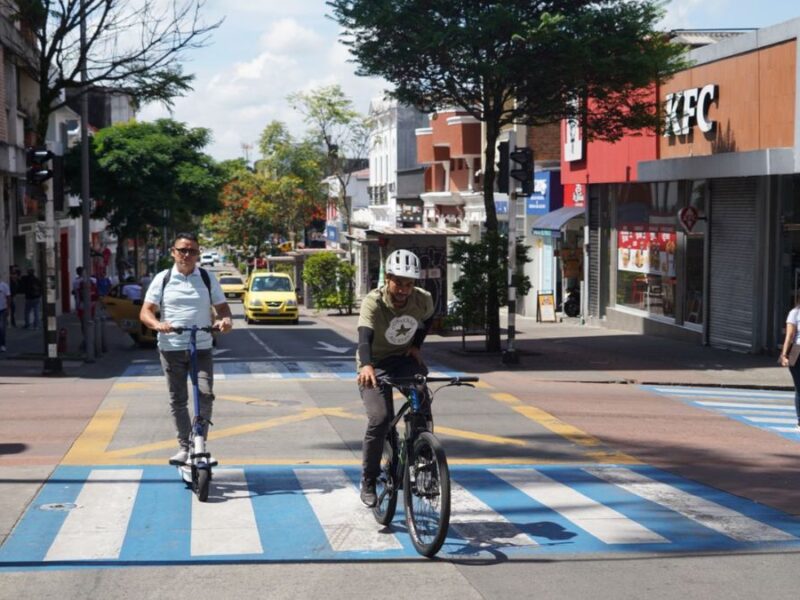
<point>387,482</point>
<point>426,492</point>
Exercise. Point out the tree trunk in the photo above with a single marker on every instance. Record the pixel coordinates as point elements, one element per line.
<point>492,235</point>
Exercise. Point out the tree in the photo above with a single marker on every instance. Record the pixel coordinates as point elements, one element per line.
<point>516,61</point>
<point>340,130</point>
<point>148,174</point>
<point>330,280</point>
<point>293,171</point>
<point>135,46</point>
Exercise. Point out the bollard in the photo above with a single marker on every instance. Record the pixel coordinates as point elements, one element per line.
<point>61,341</point>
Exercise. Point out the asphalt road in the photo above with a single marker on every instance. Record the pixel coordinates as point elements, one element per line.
<point>562,490</point>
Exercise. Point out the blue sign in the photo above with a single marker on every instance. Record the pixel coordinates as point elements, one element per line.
<point>501,206</point>
<point>548,195</point>
<point>332,233</point>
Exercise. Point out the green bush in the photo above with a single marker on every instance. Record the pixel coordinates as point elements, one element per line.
<point>330,281</point>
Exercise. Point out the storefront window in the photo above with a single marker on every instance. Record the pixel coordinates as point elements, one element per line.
<point>646,245</point>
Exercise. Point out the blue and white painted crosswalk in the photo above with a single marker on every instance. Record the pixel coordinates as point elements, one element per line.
<point>770,410</point>
<point>270,369</point>
<point>123,516</point>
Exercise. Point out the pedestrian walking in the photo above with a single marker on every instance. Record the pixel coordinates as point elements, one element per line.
<point>5,299</point>
<point>32,288</point>
<point>790,353</point>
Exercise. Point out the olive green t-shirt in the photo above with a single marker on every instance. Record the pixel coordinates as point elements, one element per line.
<point>394,327</point>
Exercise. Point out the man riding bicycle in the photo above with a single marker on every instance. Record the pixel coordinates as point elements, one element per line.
<point>184,296</point>
<point>392,325</point>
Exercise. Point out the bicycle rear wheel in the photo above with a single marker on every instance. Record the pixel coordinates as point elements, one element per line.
<point>387,482</point>
<point>426,492</point>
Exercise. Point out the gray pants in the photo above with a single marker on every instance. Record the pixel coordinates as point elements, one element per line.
<point>380,410</point>
<point>176,365</point>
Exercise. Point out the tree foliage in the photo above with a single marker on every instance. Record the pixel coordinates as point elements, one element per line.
<point>331,281</point>
<point>516,61</point>
<point>132,46</point>
<point>340,130</point>
<point>148,175</point>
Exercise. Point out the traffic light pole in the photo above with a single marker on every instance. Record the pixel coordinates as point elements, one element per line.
<point>52,362</point>
<point>87,323</point>
<point>510,355</point>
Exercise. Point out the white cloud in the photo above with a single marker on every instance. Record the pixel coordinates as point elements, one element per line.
<point>288,36</point>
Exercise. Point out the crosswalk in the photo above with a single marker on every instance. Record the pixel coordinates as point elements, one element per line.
<point>276,368</point>
<point>122,516</point>
<point>770,410</point>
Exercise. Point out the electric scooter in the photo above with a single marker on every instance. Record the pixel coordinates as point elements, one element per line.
<point>197,471</point>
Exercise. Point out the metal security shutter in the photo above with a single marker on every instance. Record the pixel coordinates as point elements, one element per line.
<point>732,264</point>
<point>593,305</point>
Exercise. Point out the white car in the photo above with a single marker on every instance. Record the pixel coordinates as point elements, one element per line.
<point>206,258</point>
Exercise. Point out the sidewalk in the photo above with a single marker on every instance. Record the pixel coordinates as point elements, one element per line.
<point>572,352</point>
<point>26,350</point>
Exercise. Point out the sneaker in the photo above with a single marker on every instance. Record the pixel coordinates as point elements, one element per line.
<point>368,495</point>
<point>180,457</point>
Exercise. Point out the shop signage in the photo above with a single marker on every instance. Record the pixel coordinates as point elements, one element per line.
<point>332,233</point>
<point>688,217</point>
<point>647,249</point>
<point>573,136</point>
<point>688,108</point>
<point>547,193</point>
<point>501,207</point>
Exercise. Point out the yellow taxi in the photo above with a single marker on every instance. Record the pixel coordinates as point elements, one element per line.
<point>232,285</point>
<point>124,310</point>
<point>270,297</point>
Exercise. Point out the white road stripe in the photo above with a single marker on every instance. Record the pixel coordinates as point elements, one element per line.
<point>226,524</point>
<point>753,411</point>
<point>746,405</point>
<point>776,420</point>
<point>602,522</point>
<point>348,526</point>
<point>270,352</point>
<point>477,523</point>
<point>96,529</point>
<point>723,393</point>
<point>705,512</point>
<point>794,429</point>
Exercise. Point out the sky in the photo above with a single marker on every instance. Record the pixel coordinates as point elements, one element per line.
<point>267,49</point>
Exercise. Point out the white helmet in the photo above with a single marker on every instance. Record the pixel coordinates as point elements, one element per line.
<point>403,264</point>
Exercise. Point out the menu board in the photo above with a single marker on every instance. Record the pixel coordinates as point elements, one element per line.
<point>646,249</point>
<point>546,307</point>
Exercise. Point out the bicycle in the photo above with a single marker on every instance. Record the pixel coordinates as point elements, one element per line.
<point>197,473</point>
<point>418,464</point>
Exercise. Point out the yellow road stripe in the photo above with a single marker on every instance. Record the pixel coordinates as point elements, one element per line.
<point>309,413</point>
<point>248,400</point>
<point>134,385</point>
<point>481,437</point>
<point>94,440</point>
<point>567,431</point>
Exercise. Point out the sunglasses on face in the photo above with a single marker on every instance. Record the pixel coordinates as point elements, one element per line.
<point>187,251</point>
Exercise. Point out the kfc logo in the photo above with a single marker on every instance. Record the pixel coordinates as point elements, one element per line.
<point>688,108</point>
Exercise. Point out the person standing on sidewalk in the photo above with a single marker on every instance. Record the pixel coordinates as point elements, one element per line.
<point>32,288</point>
<point>792,339</point>
<point>15,286</point>
<point>5,300</point>
<point>392,325</point>
<point>184,296</point>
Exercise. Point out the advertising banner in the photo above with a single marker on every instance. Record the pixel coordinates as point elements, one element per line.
<point>647,249</point>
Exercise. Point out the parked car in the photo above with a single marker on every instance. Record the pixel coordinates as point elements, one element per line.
<point>232,284</point>
<point>206,259</point>
<point>270,297</point>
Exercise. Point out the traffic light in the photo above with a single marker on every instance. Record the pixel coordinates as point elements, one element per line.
<point>502,168</point>
<point>38,171</point>
<point>524,173</point>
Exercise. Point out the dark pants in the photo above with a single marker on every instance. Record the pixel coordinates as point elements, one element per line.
<point>3,323</point>
<point>380,410</point>
<point>33,306</point>
<point>795,371</point>
<point>176,365</point>
<point>12,310</point>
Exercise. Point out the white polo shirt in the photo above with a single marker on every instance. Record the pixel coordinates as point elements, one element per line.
<point>185,303</point>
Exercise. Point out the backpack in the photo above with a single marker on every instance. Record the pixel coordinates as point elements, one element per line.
<point>203,274</point>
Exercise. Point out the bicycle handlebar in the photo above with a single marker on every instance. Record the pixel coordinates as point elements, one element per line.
<point>422,379</point>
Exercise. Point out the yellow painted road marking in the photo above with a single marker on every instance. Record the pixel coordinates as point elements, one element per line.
<point>565,430</point>
<point>135,385</point>
<point>96,437</point>
<point>481,437</point>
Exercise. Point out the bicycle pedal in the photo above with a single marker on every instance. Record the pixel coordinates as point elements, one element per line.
<point>178,463</point>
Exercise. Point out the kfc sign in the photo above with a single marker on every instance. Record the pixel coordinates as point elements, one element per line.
<point>688,108</point>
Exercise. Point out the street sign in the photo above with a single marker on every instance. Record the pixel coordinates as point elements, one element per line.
<point>688,218</point>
